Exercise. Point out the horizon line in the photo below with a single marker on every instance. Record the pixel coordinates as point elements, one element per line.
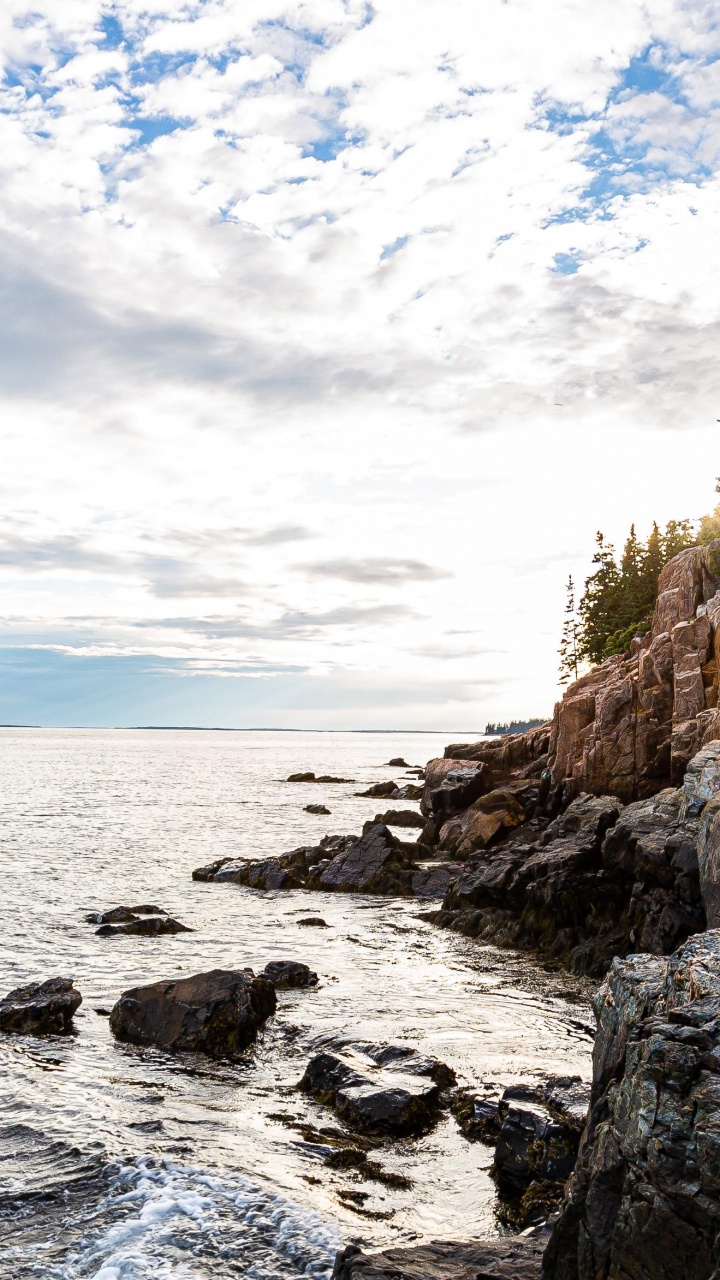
<point>211,728</point>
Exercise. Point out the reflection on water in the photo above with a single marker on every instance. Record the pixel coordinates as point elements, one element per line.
<point>121,1162</point>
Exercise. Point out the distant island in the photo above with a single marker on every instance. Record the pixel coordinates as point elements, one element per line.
<point>515,726</point>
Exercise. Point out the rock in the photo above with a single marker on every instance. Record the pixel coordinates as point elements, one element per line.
<point>509,1259</point>
<point>701,782</point>
<point>380,789</point>
<point>453,785</point>
<point>433,881</point>
<point>376,863</point>
<point>40,1008</point>
<point>310,777</point>
<point>407,792</point>
<point>314,922</point>
<point>397,762</point>
<point>387,1089</point>
<point>217,1013</point>
<point>708,858</point>
<point>210,870</point>
<point>316,808</point>
<point>488,818</point>
<point>122,915</point>
<point>644,1200</point>
<point>632,724</point>
<point>149,927</point>
<point>289,973</point>
<point>399,818</point>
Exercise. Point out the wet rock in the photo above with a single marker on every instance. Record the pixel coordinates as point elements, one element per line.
<point>509,1259</point>
<point>399,818</point>
<point>311,777</point>
<point>40,1008</point>
<point>397,762</point>
<point>433,881</point>
<point>210,870</point>
<point>380,789</point>
<point>316,808</point>
<point>217,1013</point>
<point>143,927</point>
<point>387,1089</point>
<point>644,1201</point>
<point>289,973</point>
<point>122,915</point>
<point>376,863</point>
<point>407,792</point>
<point>314,922</point>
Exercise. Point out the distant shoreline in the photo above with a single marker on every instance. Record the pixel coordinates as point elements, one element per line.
<point>213,728</point>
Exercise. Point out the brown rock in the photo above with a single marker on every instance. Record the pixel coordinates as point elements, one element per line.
<point>217,1013</point>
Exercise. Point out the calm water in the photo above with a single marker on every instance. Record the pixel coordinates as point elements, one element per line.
<point>117,1162</point>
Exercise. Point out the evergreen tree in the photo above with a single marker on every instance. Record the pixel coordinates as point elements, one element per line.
<point>599,604</point>
<point>569,656</point>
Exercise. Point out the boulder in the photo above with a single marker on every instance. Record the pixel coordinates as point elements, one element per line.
<point>143,927</point>
<point>217,1013</point>
<point>388,1089</point>
<point>407,792</point>
<point>122,915</point>
<point>311,777</point>
<point>644,1200</point>
<point>509,1259</point>
<point>289,973</point>
<point>376,863</point>
<point>40,1008</point>
<point>486,820</point>
<point>453,785</point>
<point>316,808</point>
<point>397,762</point>
<point>380,790</point>
<point>399,818</point>
<point>313,922</point>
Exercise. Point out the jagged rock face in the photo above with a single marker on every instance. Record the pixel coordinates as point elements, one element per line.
<point>644,1201</point>
<point>631,725</point>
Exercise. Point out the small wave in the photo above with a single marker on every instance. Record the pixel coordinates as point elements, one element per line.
<point>173,1222</point>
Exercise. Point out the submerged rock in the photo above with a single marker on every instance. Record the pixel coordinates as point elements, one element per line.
<point>143,927</point>
<point>314,922</point>
<point>121,915</point>
<point>217,1013</point>
<point>379,1089</point>
<point>644,1201</point>
<point>380,789</point>
<point>310,777</point>
<point>514,1259</point>
<point>289,973</point>
<point>316,808</point>
<point>397,762</point>
<point>40,1008</point>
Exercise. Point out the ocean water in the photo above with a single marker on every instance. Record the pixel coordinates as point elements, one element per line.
<point>118,1162</point>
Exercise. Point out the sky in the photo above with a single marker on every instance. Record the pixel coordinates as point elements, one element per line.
<point>331,333</point>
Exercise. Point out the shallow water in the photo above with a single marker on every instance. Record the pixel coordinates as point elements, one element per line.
<point>117,1162</point>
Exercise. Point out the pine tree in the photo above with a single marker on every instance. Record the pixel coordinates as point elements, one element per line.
<point>569,656</point>
<point>599,604</point>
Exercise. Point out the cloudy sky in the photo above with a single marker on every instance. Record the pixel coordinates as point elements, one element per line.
<point>331,333</point>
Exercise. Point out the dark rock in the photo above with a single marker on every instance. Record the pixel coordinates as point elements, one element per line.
<point>399,818</point>
<point>379,1089</point>
<point>316,922</point>
<point>210,870</point>
<point>217,1013</point>
<point>310,777</point>
<point>147,927</point>
<point>376,863</point>
<point>513,1259</point>
<point>289,973</point>
<point>397,762</point>
<point>40,1008</point>
<point>316,808</point>
<point>486,820</point>
<point>122,915</point>
<point>644,1201</point>
<point>407,792</point>
<point>380,789</point>
<point>432,882</point>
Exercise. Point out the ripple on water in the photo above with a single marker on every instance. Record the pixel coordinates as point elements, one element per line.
<point>119,1162</point>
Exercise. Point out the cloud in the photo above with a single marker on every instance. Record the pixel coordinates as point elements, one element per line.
<point>378,569</point>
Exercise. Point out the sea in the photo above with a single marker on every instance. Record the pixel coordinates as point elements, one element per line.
<point>121,1163</point>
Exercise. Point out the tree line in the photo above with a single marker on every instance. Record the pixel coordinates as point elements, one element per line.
<point>619,596</point>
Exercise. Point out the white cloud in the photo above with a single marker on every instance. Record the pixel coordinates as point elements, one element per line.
<point>435,286</point>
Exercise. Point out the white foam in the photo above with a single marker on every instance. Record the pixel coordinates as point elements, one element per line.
<point>177,1222</point>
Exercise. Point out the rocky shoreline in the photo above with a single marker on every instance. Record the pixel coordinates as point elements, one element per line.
<point>592,842</point>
